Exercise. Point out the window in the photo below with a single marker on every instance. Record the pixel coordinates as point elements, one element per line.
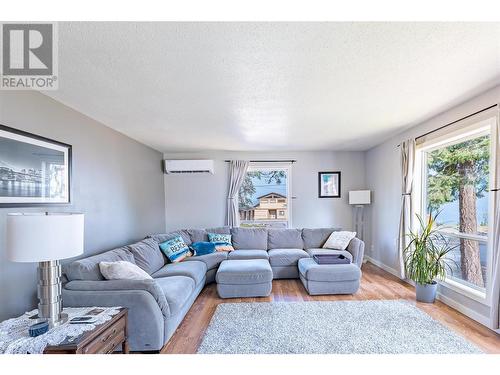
<point>264,195</point>
<point>455,172</point>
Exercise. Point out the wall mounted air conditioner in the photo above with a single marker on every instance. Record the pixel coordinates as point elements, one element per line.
<point>189,166</point>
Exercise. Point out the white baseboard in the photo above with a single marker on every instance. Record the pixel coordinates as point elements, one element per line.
<point>446,300</point>
<point>385,267</point>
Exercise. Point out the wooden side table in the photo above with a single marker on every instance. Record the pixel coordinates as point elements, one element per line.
<point>103,339</point>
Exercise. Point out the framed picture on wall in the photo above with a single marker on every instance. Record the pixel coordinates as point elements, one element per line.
<point>329,184</point>
<point>34,170</point>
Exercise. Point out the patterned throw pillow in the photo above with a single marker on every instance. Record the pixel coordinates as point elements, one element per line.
<point>339,240</point>
<point>175,249</point>
<point>222,241</point>
<point>202,248</point>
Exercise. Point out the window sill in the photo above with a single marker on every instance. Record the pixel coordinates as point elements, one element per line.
<point>464,290</point>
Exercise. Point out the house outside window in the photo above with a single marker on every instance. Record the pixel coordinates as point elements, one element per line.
<point>264,196</point>
<point>453,177</point>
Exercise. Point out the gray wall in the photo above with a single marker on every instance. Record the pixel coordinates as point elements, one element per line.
<point>117,184</point>
<point>199,201</point>
<point>384,179</point>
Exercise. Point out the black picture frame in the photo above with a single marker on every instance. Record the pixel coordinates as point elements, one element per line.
<point>321,184</point>
<point>51,144</point>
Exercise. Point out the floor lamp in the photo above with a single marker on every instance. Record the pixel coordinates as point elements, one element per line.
<point>359,198</point>
<point>46,238</point>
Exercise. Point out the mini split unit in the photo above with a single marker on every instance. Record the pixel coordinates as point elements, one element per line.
<point>188,166</point>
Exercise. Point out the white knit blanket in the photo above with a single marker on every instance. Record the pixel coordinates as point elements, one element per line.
<point>15,339</point>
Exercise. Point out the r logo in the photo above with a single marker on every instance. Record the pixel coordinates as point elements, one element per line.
<point>27,49</point>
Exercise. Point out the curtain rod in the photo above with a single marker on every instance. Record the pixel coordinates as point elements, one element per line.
<point>268,161</point>
<point>453,122</point>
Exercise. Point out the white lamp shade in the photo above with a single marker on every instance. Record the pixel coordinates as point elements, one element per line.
<point>40,237</point>
<point>359,197</point>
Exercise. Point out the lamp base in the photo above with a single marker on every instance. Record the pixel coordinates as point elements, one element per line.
<point>358,219</point>
<point>55,323</point>
<point>50,293</point>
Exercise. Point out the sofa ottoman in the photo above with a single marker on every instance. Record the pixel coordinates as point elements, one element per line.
<point>329,278</point>
<point>244,278</point>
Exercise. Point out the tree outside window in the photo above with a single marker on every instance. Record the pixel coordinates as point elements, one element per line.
<point>457,183</point>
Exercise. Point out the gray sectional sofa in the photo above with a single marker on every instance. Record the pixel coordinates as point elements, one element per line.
<point>157,307</point>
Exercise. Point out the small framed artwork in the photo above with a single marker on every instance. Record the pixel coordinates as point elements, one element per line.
<point>34,170</point>
<point>329,184</point>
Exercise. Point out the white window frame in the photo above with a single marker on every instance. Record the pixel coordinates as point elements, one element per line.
<point>256,166</point>
<point>477,129</point>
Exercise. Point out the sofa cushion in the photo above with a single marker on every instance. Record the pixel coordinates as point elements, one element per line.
<point>219,230</point>
<point>162,237</point>
<point>177,290</point>
<point>345,253</point>
<point>249,238</point>
<point>194,270</point>
<point>244,272</point>
<point>248,254</point>
<point>285,239</point>
<point>314,238</point>
<point>88,268</point>
<point>286,257</point>
<point>201,235</point>
<point>197,235</point>
<point>211,260</point>
<point>147,255</point>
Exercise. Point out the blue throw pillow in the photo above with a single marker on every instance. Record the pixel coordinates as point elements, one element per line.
<point>202,248</point>
<point>175,249</point>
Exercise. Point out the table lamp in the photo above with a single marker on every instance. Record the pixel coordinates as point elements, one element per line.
<point>46,238</point>
<point>359,198</point>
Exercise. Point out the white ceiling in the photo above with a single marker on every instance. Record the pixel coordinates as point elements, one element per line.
<point>271,86</point>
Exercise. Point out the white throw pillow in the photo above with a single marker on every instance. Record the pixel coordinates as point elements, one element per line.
<point>339,240</point>
<point>122,270</point>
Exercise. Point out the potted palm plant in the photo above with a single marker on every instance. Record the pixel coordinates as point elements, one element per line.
<point>425,258</point>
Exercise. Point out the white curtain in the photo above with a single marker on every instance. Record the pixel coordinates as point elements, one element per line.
<point>407,211</point>
<point>237,171</point>
<point>495,186</point>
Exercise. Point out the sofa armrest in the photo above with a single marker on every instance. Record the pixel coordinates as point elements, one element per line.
<point>146,319</point>
<point>357,248</point>
<point>147,286</point>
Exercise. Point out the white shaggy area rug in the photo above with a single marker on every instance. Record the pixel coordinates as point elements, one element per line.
<point>340,327</point>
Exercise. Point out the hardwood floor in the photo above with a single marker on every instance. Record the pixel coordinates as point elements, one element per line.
<point>375,284</point>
